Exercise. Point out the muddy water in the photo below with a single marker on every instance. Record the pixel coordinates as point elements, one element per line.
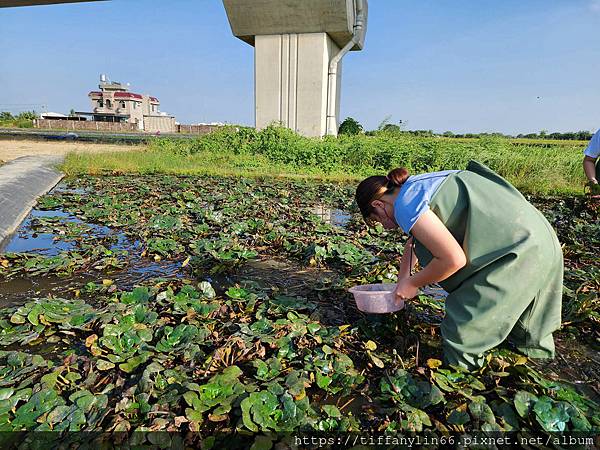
<point>277,276</point>
<point>281,274</point>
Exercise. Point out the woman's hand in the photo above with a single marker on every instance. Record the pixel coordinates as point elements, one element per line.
<point>405,289</point>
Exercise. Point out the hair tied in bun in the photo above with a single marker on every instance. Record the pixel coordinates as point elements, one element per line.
<point>398,176</point>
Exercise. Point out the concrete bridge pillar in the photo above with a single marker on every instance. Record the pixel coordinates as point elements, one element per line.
<point>298,49</point>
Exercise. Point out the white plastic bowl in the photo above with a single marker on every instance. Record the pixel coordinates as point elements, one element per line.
<point>376,298</point>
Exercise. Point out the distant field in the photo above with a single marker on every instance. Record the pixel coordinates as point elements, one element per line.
<point>522,141</point>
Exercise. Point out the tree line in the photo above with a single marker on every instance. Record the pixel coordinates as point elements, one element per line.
<point>351,126</point>
<point>21,120</point>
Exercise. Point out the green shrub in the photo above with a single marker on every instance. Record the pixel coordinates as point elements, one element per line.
<point>533,167</point>
<point>350,127</point>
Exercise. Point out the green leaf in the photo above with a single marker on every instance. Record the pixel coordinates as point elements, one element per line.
<point>524,402</point>
<point>137,296</point>
<point>552,416</point>
<point>482,412</point>
<point>133,363</point>
<point>193,415</point>
<point>236,293</point>
<point>458,417</point>
<point>262,443</point>
<point>246,406</point>
<point>6,393</point>
<point>331,411</point>
<point>33,315</point>
<point>323,381</point>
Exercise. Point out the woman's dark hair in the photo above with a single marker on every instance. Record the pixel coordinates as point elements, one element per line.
<point>373,188</point>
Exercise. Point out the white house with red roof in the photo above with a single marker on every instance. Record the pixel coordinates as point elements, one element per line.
<point>114,103</point>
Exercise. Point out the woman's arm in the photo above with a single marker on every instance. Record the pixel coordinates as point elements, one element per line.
<point>589,167</point>
<point>448,255</point>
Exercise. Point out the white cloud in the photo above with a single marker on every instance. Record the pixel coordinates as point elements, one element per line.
<point>595,6</point>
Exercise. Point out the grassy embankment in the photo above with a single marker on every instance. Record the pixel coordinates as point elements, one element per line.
<point>538,169</point>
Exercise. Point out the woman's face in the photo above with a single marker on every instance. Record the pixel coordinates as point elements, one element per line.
<point>383,212</point>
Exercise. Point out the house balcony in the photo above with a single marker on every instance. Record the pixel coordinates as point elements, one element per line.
<point>104,110</point>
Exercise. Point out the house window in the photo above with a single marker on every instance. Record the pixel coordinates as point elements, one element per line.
<point>122,104</point>
<point>108,104</point>
<point>100,103</point>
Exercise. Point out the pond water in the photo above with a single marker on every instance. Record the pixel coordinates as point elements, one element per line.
<point>62,233</point>
<point>332,216</point>
<point>44,243</point>
<point>276,274</point>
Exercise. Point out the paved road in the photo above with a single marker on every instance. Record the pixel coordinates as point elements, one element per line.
<point>22,181</point>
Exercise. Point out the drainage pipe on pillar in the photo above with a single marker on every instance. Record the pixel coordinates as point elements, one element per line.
<point>331,125</point>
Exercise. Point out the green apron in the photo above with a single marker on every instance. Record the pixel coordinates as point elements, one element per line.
<point>511,286</point>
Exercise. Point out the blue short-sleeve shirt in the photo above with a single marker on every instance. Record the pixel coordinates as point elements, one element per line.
<point>415,195</point>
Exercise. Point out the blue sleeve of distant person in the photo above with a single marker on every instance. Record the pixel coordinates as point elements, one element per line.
<point>593,149</point>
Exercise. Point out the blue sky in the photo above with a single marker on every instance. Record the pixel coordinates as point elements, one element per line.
<point>467,66</point>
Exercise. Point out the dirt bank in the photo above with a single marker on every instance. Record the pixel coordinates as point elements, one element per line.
<point>11,149</point>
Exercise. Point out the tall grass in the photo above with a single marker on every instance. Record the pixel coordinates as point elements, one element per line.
<point>278,151</point>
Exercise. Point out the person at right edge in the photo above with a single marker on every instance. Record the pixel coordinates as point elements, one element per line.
<point>487,246</point>
<point>591,167</point>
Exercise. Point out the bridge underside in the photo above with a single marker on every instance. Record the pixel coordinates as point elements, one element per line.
<point>10,3</point>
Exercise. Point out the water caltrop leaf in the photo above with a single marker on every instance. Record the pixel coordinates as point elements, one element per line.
<point>524,402</point>
<point>17,319</point>
<point>482,412</point>
<point>433,363</point>
<point>332,411</point>
<point>378,362</point>
<point>323,381</point>
<point>6,393</point>
<point>458,417</point>
<point>553,416</point>
<point>102,364</point>
<point>246,406</point>
<point>262,443</point>
<point>370,345</point>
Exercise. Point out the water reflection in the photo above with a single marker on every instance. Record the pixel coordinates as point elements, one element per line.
<point>332,216</point>
<point>27,240</point>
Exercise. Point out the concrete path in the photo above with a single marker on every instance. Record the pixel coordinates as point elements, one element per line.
<point>22,181</point>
